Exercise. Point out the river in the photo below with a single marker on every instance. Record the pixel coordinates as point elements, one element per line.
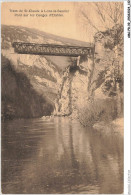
<point>58,155</point>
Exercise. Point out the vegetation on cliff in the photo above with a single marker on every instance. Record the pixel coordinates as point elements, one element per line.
<point>19,99</point>
<point>106,91</point>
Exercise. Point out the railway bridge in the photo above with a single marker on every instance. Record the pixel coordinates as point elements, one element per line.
<point>54,50</point>
<point>85,57</point>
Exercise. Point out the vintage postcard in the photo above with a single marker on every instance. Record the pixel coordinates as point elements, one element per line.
<point>62,97</point>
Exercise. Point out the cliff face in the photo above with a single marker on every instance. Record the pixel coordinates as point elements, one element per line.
<point>19,99</point>
<point>97,79</point>
<point>43,75</point>
<point>29,82</point>
<point>74,91</point>
<point>108,69</point>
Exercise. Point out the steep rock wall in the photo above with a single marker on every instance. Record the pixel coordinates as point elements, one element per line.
<point>19,99</point>
<point>40,77</point>
<point>97,78</point>
<point>74,89</point>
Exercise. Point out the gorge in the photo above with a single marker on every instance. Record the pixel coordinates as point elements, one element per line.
<point>61,90</point>
<point>58,129</point>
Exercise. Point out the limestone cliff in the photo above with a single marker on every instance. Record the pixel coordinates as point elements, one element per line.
<point>39,76</point>
<point>74,91</point>
<point>19,99</point>
<point>98,78</point>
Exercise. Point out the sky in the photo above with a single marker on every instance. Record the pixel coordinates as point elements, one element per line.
<point>71,25</point>
<point>66,26</point>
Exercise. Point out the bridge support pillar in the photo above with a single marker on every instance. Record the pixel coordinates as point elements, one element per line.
<point>78,60</point>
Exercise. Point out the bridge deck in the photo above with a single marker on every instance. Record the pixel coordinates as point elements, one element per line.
<point>50,49</point>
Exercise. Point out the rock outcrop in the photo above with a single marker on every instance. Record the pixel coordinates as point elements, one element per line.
<point>43,74</point>
<point>74,91</point>
<point>98,78</point>
<point>37,77</point>
<point>19,99</point>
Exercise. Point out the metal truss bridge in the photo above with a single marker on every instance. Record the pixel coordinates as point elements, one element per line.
<point>51,49</point>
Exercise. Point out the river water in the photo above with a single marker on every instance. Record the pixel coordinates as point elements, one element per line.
<point>58,155</point>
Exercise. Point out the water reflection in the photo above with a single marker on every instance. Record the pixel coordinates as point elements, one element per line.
<point>58,155</point>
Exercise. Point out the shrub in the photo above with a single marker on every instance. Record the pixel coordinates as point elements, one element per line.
<point>98,110</point>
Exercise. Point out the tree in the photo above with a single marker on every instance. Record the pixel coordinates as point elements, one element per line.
<point>108,14</point>
<point>107,26</point>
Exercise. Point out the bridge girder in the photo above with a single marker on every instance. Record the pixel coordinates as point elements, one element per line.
<point>51,49</point>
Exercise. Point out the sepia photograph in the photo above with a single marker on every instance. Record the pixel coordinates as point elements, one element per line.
<point>62,97</point>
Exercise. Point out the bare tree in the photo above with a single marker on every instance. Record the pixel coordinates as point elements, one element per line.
<point>108,13</point>
<point>106,17</point>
